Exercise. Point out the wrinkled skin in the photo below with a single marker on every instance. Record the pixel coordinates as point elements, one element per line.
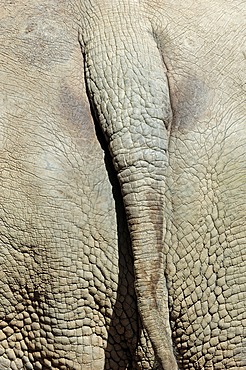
<point>122,147</point>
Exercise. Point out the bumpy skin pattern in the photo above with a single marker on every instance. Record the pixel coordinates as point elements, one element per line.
<point>128,87</point>
<point>166,83</point>
<point>166,80</point>
<point>67,298</point>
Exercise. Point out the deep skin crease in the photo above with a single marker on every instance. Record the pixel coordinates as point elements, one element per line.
<point>122,167</point>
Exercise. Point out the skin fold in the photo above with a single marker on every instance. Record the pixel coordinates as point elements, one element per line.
<point>122,162</point>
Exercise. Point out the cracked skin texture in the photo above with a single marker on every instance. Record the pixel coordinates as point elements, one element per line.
<point>67,297</point>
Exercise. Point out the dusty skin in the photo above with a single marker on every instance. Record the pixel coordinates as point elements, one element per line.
<point>123,185</point>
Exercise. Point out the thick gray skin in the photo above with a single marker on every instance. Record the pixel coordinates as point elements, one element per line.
<point>166,85</point>
<point>67,298</point>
